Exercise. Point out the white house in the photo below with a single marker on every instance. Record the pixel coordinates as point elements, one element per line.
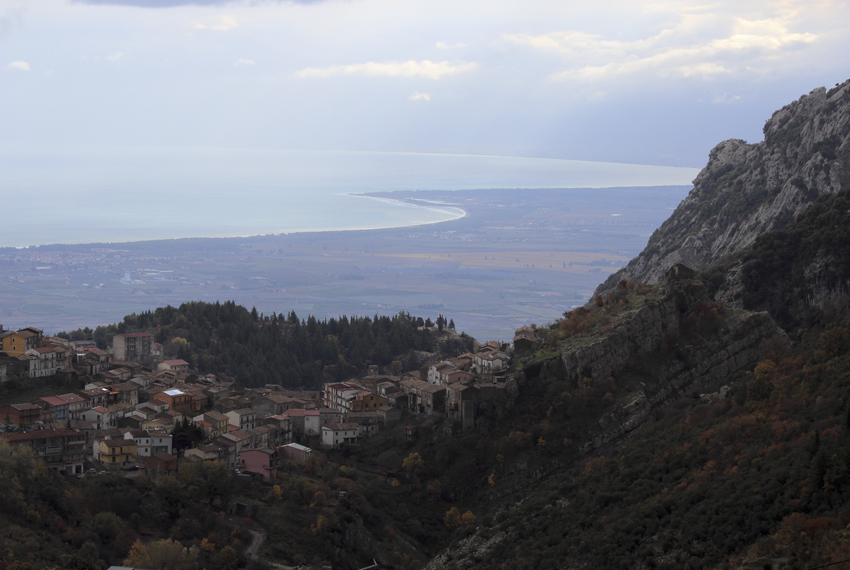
<point>334,435</point>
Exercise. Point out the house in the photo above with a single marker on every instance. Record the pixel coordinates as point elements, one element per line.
<point>46,360</point>
<point>491,363</point>
<point>76,405</point>
<point>17,343</point>
<point>61,449</point>
<point>87,366</point>
<point>329,416</point>
<point>208,452</point>
<point>339,395</point>
<point>116,375</point>
<point>117,453</point>
<point>367,422</point>
<point>53,408</point>
<point>128,392</point>
<point>217,421</point>
<point>294,452</point>
<point>218,393</point>
<point>460,404</point>
<point>161,464</point>
<point>102,357</point>
<point>388,415</point>
<point>455,376</point>
<point>22,415</point>
<point>160,441</point>
<point>244,418</point>
<point>424,398</point>
<point>436,372</point>
<point>259,461</point>
<point>13,366</point>
<point>398,399</point>
<point>387,388</point>
<point>367,401</point>
<point>100,417</point>
<point>134,420</point>
<point>175,365</point>
<point>143,441</point>
<point>147,411</point>
<point>264,436</point>
<point>282,425</point>
<point>334,435</point>
<point>528,339</point>
<point>275,403</point>
<point>303,423</point>
<point>99,395</point>
<point>179,401</point>
<point>237,441</point>
<point>22,365</point>
<point>133,347</point>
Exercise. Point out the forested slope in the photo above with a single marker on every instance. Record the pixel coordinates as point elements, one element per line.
<point>228,340</point>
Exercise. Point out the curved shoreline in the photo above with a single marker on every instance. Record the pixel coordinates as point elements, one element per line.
<point>457,214</point>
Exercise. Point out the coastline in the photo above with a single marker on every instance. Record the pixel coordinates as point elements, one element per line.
<point>541,253</point>
<point>452,213</point>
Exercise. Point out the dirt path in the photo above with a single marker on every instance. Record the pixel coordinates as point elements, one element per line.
<point>252,552</point>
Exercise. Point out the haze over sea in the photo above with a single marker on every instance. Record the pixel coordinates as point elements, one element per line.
<point>122,194</point>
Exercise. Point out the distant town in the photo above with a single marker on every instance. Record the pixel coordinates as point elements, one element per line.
<point>141,413</point>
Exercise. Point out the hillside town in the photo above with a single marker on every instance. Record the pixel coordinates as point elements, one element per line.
<point>134,407</point>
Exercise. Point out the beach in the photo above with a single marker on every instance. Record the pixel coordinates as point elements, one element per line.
<point>127,194</point>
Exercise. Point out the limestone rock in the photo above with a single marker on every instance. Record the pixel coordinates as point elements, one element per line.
<point>746,190</point>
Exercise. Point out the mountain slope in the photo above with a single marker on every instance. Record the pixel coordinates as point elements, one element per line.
<point>746,190</point>
<point>795,273</point>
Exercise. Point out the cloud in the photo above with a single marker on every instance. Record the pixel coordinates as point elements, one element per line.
<point>444,45</point>
<point>246,62</point>
<point>20,65</point>
<point>425,69</point>
<point>698,45</point>
<point>115,56</point>
<point>725,99</point>
<point>224,23</point>
<point>420,97</point>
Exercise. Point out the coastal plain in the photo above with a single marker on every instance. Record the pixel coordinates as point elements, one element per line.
<point>519,256</point>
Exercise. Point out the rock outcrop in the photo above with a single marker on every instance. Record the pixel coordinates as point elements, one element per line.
<point>732,347</point>
<point>746,190</point>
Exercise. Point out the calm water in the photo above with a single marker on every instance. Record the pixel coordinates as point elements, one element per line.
<point>115,194</point>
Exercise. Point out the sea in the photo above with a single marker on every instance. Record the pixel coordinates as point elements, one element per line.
<point>114,194</point>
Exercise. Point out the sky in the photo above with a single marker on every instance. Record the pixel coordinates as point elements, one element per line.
<point>637,82</point>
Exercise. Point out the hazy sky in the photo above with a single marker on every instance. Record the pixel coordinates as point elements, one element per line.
<point>625,81</point>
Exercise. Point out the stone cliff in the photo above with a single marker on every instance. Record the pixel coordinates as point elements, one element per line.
<point>732,346</point>
<point>746,190</point>
<point>707,359</point>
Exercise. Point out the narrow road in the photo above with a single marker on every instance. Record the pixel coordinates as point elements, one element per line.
<point>252,552</point>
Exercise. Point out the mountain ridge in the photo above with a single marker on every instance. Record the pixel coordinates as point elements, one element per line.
<point>746,190</point>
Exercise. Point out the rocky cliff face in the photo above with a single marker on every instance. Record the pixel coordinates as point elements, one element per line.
<point>746,190</point>
<point>731,344</point>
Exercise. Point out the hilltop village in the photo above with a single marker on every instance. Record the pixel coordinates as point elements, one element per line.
<point>139,412</point>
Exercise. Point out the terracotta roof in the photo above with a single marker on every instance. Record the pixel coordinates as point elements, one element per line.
<point>53,401</point>
<point>118,442</point>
